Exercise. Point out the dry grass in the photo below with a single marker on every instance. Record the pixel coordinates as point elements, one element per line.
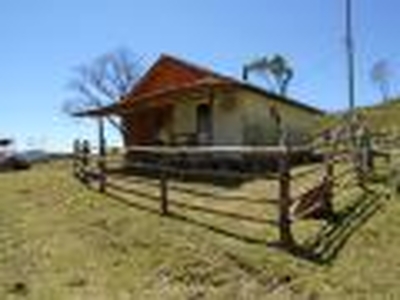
<point>60,240</point>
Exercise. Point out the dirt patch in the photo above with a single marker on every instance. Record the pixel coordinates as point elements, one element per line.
<point>19,288</point>
<point>77,282</point>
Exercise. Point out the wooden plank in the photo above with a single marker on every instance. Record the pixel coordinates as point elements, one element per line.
<point>285,233</point>
<point>206,172</point>
<point>164,187</point>
<point>307,172</point>
<point>102,157</point>
<point>85,161</point>
<point>175,150</point>
<point>315,203</point>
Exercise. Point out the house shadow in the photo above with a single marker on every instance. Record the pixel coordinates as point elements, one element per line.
<point>219,171</point>
<point>221,177</point>
<point>195,192</point>
<point>325,246</point>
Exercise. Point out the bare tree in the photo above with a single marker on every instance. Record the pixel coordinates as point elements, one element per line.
<point>381,75</point>
<point>276,70</point>
<point>102,82</point>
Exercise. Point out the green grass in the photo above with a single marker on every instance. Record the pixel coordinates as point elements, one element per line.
<point>60,240</point>
<point>383,117</point>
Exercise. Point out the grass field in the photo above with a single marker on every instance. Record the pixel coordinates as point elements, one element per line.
<point>60,240</point>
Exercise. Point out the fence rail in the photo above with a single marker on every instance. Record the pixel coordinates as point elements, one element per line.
<point>192,150</point>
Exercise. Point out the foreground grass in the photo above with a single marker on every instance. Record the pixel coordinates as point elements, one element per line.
<point>60,240</point>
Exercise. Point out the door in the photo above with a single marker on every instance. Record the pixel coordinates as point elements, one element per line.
<point>204,124</point>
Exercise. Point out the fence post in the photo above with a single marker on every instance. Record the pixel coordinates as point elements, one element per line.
<point>366,152</point>
<point>75,158</point>
<point>285,232</point>
<point>85,156</point>
<point>391,178</point>
<point>361,156</point>
<point>164,185</point>
<point>327,207</point>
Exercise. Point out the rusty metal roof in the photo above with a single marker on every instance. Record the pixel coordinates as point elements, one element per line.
<point>170,79</point>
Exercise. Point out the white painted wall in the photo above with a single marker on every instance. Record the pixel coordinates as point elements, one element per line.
<point>184,117</point>
<point>228,123</point>
<point>260,128</point>
<point>244,117</point>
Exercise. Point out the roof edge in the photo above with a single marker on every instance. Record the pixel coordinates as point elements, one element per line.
<point>243,84</point>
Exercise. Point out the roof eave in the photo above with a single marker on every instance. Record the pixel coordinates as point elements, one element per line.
<point>281,98</point>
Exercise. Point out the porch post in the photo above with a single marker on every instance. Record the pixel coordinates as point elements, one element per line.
<point>211,100</point>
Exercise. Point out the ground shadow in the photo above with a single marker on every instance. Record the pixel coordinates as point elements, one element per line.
<point>324,247</point>
<point>225,178</point>
<point>206,194</point>
<point>125,200</point>
<point>228,176</point>
<point>174,203</point>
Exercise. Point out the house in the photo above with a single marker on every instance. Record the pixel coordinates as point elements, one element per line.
<point>179,103</point>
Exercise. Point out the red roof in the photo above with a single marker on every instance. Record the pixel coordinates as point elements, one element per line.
<point>168,73</point>
<point>170,76</point>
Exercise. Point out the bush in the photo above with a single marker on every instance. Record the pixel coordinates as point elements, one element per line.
<point>14,163</point>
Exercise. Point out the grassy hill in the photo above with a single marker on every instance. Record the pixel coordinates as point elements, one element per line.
<point>383,117</point>
<point>60,240</point>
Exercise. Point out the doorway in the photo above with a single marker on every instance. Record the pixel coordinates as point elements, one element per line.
<point>204,124</point>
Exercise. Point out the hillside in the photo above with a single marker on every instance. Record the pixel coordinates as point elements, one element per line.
<point>382,117</point>
<point>60,240</point>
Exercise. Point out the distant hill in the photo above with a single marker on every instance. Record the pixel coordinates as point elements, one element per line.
<point>382,117</point>
<point>34,155</point>
<point>40,155</point>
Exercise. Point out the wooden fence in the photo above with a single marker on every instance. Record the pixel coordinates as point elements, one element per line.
<point>314,202</point>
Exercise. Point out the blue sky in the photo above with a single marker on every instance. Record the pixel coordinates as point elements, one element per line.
<point>43,40</point>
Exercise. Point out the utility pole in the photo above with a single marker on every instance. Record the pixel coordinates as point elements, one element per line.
<point>351,85</point>
<point>350,60</point>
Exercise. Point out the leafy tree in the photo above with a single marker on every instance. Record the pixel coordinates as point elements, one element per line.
<point>281,72</point>
<point>276,70</point>
<point>381,75</point>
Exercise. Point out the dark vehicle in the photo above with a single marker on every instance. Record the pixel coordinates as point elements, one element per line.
<point>9,160</point>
